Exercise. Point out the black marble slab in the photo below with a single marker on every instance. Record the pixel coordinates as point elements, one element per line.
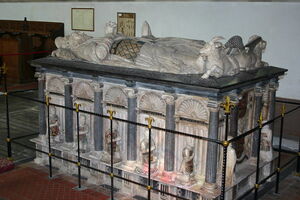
<point>183,81</point>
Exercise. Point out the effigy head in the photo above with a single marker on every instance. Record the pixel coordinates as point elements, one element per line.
<point>71,41</point>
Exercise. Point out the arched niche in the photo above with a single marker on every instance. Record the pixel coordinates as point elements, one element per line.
<point>116,96</point>
<point>84,90</point>
<point>193,109</point>
<point>55,85</point>
<point>152,102</point>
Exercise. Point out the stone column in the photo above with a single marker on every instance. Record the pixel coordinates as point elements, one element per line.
<point>169,137</point>
<point>234,118</point>
<point>131,128</point>
<point>257,110</point>
<point>42,107</point>
<point>272,103</point>
<point>68,113</point>
<point>212,148</point>
<point>98,121</point>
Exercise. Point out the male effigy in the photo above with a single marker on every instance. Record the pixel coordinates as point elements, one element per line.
<point>181,84</point>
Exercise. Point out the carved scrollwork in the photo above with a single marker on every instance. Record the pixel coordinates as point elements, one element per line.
<point>152,102</point>
<point>193,109</point>
<point>117,96</point>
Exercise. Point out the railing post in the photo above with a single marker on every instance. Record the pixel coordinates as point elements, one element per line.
<point>150,121</point>
<point>49,139</point>
<point>298,160</point>
<point>111,114</point>
<point>78,145</point>
<point>227,106</point>
<point>256,186</point>
<point>279,150</point>
<point>8,140</point>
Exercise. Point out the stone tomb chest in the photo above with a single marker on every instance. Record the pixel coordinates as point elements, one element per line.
<point>188,103</point>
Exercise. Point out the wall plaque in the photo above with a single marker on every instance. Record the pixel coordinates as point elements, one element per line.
<point>126,24</point>
<point>82,19</point>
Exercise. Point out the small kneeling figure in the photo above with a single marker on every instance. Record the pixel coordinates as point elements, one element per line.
<point>186,174</point>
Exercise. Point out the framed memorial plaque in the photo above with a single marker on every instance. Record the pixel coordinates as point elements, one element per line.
<point>126,24</point>
<point>82,19</point>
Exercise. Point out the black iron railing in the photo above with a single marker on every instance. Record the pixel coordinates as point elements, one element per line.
<point>227,106</point>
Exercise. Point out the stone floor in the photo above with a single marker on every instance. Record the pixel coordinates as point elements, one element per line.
<point>28,182</point>
<point>289,189</point>
<point>23,121</point>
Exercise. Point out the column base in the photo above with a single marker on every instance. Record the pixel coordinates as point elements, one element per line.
<point>210,190</point>
<point>43,138</point>
<point>130,165</point>
<point>252,160</point>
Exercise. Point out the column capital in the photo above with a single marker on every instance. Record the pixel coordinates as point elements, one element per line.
<point>40,76</point>
<point>131,92</point>
<point>273,86</point>
<point>169,98</point>
<point>66,80</point>
<point>258,91</point>
<point>235,98</point>
<point>213,106</point>
<point>98,87</point>
<point>47,92</point>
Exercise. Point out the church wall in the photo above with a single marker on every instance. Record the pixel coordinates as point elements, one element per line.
<point>276,22</point>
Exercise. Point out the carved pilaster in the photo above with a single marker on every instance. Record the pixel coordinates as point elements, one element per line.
<point>131,128</point>
<point>98,121</point>
<point>258,92</point>
<point>273,86</point>
<point>41,95</point>
<point>212,148</point>
<point>233,131</point>
<point>169,137</point>
<point>68,113</point>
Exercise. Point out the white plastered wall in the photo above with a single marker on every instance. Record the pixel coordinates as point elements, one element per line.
<point>277,23</point>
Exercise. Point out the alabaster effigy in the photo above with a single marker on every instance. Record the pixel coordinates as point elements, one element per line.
<point>181,84</point>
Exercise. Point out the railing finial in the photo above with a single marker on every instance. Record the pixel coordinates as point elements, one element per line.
<point>111,113</point>
<point>227,105</point>
<point>48,100</point>
<point>283,110</point>
<point>150,120</point>
<point>77,105</point>
<point>260,120</point>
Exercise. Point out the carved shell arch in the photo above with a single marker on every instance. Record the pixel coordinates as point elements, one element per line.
<point>117,96</point>
<point>152,102</point>
<point>56,85</point>
<point>193,109</point>
<point>84,90</point>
